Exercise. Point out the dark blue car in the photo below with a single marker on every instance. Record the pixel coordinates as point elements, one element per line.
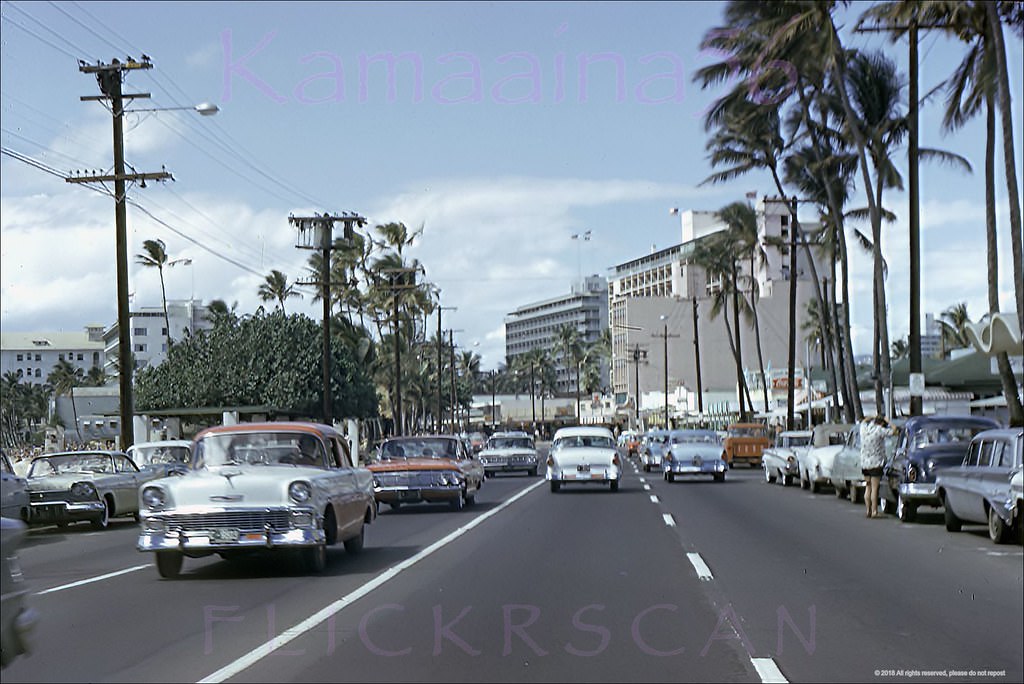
<point>925,445</point>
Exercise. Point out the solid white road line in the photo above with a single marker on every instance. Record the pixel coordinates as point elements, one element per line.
<point>768,670</point>
<point>91,580</point>
<point>260,652</point>
<point>669,520</point>
<point>703,571</point>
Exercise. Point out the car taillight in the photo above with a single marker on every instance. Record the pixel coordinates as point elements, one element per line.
<point>615,460</point>
<point>912,473</point>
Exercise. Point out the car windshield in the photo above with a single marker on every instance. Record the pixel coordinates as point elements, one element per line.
<point>509,443</point>
<point>795,440</point>
<point>71,463</point>
<point>695,437</point>
<point>746,431</point>
<point>426,447</point>
<point>946,435</point>
<point>258,448</point>
<point>576,441</point>
<point>154,455</point>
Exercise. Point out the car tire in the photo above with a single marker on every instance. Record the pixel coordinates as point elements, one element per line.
<point>804,480</point>
<point>555,486</point>
<point>613,486</point>
<point>953,523</point>
<point>671,476</point>
<point>840,492</point>
<point>470,499</point>
<point>813,485</point>
<point>395,505</point>
<point>458,503</point>
<point>355,544</point>
<point>168,563</point>
<point>533,472</point>
<point>906,512</point>
<point>314,559</point>
<point>785,480</point>
<point>719,477</point>
<point>102,522</point>
<point>998,530</point>
<point>856,496</point>
<point>768,477</point>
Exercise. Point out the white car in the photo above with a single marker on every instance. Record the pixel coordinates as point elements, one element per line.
<point>781,462</point>
<point>827,440</point>
<point>583,455</point>
<point>259,487</point>
<point>509,452</point>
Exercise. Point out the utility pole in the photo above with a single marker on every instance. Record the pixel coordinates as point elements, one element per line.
<point>533,404</point>
<point>696,360</point>
<point>791,373</point>
<point>109,77</point>
<point>665,335</point>
<point>317,232</point>
<point>455,396</point>
<point>394,276</point>
<point>638,354</point>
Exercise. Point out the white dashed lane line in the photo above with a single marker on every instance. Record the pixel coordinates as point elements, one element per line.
<point>768,670</point>
<point>669,520</point>
<point>655,499</point>
<point>703,571</point>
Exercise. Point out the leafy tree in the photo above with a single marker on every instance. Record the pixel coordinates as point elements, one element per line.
<point>264,360</point>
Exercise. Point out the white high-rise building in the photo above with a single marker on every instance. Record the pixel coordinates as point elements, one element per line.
<point>149,332</point>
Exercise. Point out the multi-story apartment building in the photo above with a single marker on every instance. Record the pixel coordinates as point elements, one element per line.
<point>535,326</point>
<point>660,306</point>
<point>149,332</point>
<point>32,356</point>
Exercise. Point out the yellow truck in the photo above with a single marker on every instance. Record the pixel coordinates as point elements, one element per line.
<point>745,442</point>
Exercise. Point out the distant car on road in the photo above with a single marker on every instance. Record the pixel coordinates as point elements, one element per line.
<point>694,452</point>
<point>978,490</point>
<point>652,449</point>
<point>509,452</point>
<point>583,455</point>
<point>780,460</point>
<point>827,440</point>
<point>847,474</point>
<point>745,443</point>
<point>926,445</point>
<point>426,468</point>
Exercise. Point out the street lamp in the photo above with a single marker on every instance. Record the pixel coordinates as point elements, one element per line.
<point>204,109</point>
<point>664,319</point>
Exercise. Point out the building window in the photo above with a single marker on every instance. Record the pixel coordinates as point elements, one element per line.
<point>163,331</point>
<point>21,373</point>
<point>20,357</point>
<point>38,373</point>
<point>60,357</point>
<point>140,347</point>
<point>39,357</point>
<point>139,332</point>
<point>81,357</point>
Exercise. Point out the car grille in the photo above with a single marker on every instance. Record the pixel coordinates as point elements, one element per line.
<point>46,497</point>
<point>518,459</point>
<point>241,520</point>
<point>430,478</point>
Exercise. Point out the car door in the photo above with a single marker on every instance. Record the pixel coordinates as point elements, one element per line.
<point>348,497</point>
<point>125,484</point>
<point>471,467</point>
<point>892,471</point>
<point>13,492</point>
<point>990,482</point>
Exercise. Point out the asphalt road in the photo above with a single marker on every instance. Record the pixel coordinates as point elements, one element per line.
<point>688,581</point>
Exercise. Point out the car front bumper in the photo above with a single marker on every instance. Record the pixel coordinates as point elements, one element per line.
<point>417,494</point>
<point>509,467</point>
<point>198,534</point>
<point>64,511</point>
<point>686,468</point>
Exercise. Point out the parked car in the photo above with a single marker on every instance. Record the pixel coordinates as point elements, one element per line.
<point>926,444</point>
<point>477,441</point>
<point>745,443</point>
<point>162,458</point>
<point>847,474</point>
<point>426,468</point>
<point>75,486</point>
<point>978,490</point>
<point>652,449</point>
<point>509,452</point>
<point>827,440</point>
<point>13,492</point>
<point>694,452</point>
<point>583,455</point>
<point>259,488</point>
<point>17,618</point>
<point>780,461</point>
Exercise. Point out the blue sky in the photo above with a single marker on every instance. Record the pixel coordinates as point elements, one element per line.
<point>498,168</point>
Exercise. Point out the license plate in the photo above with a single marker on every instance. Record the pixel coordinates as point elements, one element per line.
<point>222,535</point>
<point>583,476</point>
<point>583,468</point>
<point>689,469</point>
<point>408,494</point>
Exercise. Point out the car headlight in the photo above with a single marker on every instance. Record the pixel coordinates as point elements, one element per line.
<point>300,492</point>
<point>154,498</point>
<point>83,490</point>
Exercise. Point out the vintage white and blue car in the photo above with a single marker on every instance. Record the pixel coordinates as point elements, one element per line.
<point>694,452</point>
<point>653,445</point>
<point>259,487</point>
<point>509,452</point>
<point>979,490</point>
<point>827,440</point>
<point>74,486</point>
<point>583,455</point>
<point>781,461</point>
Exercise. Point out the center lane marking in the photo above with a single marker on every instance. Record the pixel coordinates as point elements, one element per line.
<point>768,670</point>
<point>654,498</point>
<point>288,635</point>
<point>91,580</point>
<point>669,520</point>
<point>703,571</point>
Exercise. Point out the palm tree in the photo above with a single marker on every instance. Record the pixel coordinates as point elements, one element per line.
<point>64,378</point>
<point>275,286</point>
<point>953,322</point>
<point>96,377</point>
<point>567,345</point>
<point>155,256</point>
<point>218,313</point>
